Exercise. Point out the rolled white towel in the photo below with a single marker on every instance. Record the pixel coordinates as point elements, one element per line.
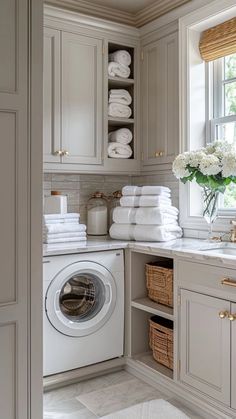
<point>66,240</point>
<point>118,70</point>
<point>119,151</point>
<point>64,235</point>
<point>145,201</point>
<point>145,233</point>
<point>145,190</point>
<point>121,96</point>
<point>121,56</point>
<point>146,216</point>
<point>117,110</point>
<point>122,136</point>
<point>64,228</point>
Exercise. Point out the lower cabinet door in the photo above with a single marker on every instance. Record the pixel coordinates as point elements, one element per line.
<point>233,359</point>
<point>205,344</point>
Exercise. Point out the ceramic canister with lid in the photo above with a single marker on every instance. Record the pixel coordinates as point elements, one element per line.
<point>97,215</point>
<point>55,204</point>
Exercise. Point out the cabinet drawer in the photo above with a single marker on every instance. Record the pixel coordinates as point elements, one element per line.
<point>205,278</point>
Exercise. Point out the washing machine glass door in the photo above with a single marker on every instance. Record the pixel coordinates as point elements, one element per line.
<point>81,298</point>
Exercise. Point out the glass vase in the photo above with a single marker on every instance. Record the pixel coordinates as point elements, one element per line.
<point>210,207</point>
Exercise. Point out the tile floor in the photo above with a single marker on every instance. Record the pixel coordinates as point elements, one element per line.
<point>103,395</point>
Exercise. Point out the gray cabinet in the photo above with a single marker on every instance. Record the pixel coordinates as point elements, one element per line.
<point>205,351</point>
<point>73,98</point>
<point>233,365</point>
<point>82,99</point>
<point>159,84</point>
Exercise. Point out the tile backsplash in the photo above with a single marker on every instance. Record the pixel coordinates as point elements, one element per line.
<point>79,187</point>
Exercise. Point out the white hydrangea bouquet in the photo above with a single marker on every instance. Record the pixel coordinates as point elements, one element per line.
<point>213,168</point>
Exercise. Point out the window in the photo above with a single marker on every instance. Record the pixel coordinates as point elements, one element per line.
<point>222,100</point>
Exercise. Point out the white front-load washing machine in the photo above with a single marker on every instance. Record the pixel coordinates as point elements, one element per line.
<point>83,320</point>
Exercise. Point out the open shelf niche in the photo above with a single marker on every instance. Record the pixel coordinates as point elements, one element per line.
<point>142,309</point>
<point>128,84</point>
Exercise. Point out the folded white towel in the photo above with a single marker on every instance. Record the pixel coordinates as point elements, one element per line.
<point>145,201</point>
<point>64,235</point>
<point>61,217</point>
<point>63,221</point>
<point>64,228</point>
<point>118,70</point>
<point>121,96</point>
<point>119,151</point>
<point>121,56</point>
<point>122,136</point>
<point>66,240</point>
<point>117,110</point>
<point>145,190</point>
<point>148,233</point>
<point>146,216</point>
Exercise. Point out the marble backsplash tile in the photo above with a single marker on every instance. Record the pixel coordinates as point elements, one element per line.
<point>79,187</point>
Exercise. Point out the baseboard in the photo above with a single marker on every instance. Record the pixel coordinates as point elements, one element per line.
<point>208,409</point>
<point>74,376</point>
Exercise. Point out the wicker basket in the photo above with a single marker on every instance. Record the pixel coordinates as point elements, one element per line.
<point>161,340</point>
<point>159,281</point>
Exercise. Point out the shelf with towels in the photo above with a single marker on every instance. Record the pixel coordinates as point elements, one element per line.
<point>120,121</point>
<point>119,82</point>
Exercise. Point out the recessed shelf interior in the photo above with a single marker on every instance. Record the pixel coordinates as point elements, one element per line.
<point>142,309</point>
<point>129,85</point>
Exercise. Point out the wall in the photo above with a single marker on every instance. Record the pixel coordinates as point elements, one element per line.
<point>79,188</point>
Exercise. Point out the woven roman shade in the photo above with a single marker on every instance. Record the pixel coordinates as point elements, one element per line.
<point>218,41</point>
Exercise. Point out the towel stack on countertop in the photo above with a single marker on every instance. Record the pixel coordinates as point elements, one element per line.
<point>145,214</point>
<point>63,229</point>
<point>119,62</point>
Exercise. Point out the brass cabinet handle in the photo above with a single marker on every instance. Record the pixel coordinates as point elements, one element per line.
<point>223,314</point>
<point>228,281</point>
<point>159,153</point>
<point>232,317</point>
<point>65,153</point>
<point>58,153</point>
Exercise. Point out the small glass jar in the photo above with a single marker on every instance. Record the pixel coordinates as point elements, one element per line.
<point>114,202</point>
<point>97,215</point>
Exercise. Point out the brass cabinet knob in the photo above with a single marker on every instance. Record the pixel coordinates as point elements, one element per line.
<point>58,153</point>
<point>65,153</point>
<point>161,153</point>
<point>223,314</point>
<point>232,317</point>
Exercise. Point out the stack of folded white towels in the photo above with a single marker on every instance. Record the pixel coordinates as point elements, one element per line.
<point>145,214</point>
<point>61,229</point>
<point>119,101</point>
<point>119,140</point>
<point>119,62</point>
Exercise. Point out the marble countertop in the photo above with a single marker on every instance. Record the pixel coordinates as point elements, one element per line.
<point>189,248</point>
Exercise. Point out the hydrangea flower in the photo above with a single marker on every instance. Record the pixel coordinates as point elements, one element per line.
<point>210,165</point>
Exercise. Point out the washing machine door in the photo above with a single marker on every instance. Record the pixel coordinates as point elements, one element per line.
<point>81,298</point>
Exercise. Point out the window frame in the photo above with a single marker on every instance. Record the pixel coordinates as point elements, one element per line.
<point>215,110</point>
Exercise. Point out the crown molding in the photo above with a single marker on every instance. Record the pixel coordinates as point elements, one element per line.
<point>86,8</point>
<point>53,15</point>
<point>155,10</point>
<point>143,17</point>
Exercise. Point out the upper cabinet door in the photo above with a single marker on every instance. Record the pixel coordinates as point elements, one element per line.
<point>82,99</point>
<point>160,100</point>
<point>51,96</point>
<point>205,345</point>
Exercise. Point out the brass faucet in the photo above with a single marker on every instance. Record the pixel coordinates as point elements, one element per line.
<point>233,232</point>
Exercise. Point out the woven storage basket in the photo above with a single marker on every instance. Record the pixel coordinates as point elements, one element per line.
<point>161,340</point>
<point>159,281</point>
